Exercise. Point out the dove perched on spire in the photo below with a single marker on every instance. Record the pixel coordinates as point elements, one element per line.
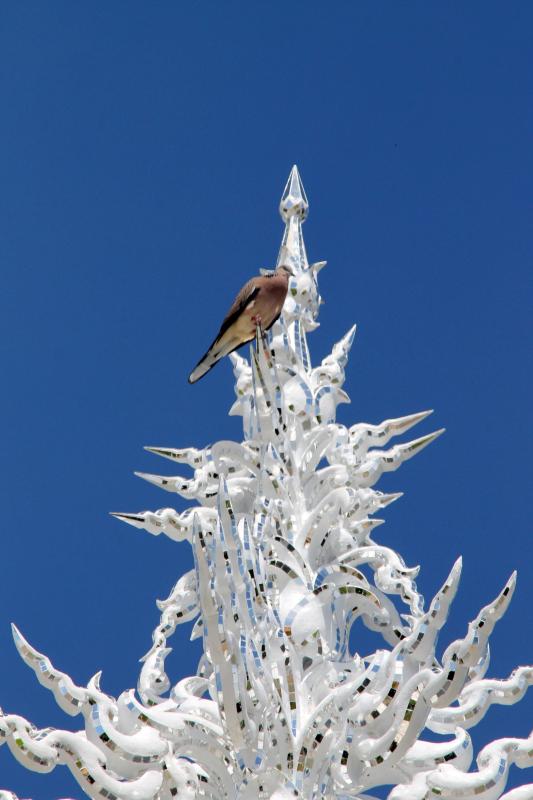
<point>259,303</point>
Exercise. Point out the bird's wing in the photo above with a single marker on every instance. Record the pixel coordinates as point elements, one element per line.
<point>225,342</point>
<point>248,293</point>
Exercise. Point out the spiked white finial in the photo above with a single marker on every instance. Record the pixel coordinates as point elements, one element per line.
<point>294,200</point>
<point>285,562</point>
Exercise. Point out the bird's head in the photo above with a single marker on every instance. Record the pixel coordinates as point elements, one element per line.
<point>284,268</point>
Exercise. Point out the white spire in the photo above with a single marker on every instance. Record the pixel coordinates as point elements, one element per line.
<point>284,565</point>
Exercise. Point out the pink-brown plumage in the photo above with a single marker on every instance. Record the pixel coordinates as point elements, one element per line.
<point>260,301</point>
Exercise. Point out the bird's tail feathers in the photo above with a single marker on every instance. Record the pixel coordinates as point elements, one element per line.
<point>208,361</point>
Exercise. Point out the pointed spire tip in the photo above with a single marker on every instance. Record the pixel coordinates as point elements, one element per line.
<point>294,200</point>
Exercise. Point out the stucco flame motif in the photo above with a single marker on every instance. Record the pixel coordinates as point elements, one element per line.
<point>285,565</point>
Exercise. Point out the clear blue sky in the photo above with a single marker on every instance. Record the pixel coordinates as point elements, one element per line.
<point>143,151</point>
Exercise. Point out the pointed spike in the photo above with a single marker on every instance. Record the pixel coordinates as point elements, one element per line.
<point>373,522</point>
<point>342,397</point>
<point>17,636</point>
<point>294,200</point>
<point>21,643</point>
<point>341,349</point>
<point>409,449</point>
<point>511,583</point>
<point>94,682</point>
<point>163,481</point>
<point>453,578</point>
<point>184,455</point>
<point>236,409</point>
<point>387,499</point>
<point>402,424</point>
<point>499,605</point>
<point>348,337</point>
<point>137,520</point>
<point>197,629</point>
<point>364,527</point>
<point>317,266</point>
<point>165,452</point>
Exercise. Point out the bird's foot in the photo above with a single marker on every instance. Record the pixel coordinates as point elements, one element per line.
<point>259,330</point>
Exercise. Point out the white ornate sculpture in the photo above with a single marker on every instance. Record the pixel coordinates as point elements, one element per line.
<point>285,563</point>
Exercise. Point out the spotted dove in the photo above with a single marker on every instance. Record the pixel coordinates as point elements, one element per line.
<point>258,303</point>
